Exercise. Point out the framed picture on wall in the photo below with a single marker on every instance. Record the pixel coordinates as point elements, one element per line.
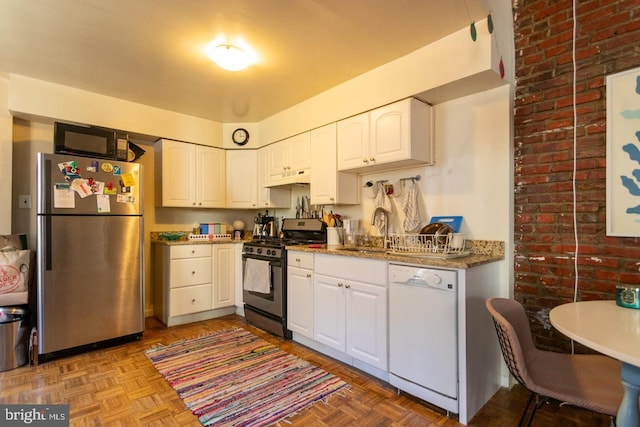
<point>623,153</point>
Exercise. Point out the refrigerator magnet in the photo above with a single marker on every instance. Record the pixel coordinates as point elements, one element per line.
<point>110,189</point>
<point>82,187</point>
<point>117,170</point>
<point>104,204</point>
<point>125,198</point>
<point>124,188</point>
<point>93,167</point>
<point>107,167</point>
<point>128,180</point>
<point>97,187</point>
<point>63,196</point>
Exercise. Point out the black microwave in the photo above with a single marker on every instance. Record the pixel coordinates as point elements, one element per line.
<point>90,141</point>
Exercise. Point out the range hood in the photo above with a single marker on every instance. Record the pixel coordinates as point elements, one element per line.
<point>290,178</point>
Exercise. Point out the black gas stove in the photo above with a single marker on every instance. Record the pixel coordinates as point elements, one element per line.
<point>294,232</point>
<point>265,288</point>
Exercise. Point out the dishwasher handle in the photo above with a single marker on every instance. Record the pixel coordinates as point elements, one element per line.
<point>415,281</point>
<point>431,282</point>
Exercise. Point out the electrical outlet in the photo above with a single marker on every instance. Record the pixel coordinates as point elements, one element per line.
<point>24,201</point>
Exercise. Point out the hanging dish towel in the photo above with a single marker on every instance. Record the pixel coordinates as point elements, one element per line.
<point>257,277</point>
<point>383,201</point>
<point>410,208</point>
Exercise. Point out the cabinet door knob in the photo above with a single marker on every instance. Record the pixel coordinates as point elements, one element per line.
<point>193,273</point>
<point>297,259</point>
<point>372,159</point>
<point>193,251</point>
<point>193,204</point>
<point>365,161</point>
<point>193,301</point>
<point>340,285</point>
<point>308,275</point>
<point>347,286</point>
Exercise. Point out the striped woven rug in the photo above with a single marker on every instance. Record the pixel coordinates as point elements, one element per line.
<point>234,378</point>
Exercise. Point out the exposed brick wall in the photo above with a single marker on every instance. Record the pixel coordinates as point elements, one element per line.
<point>607,42</point>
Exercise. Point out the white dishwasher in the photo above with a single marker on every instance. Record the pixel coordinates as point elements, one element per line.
<point>423,338</point>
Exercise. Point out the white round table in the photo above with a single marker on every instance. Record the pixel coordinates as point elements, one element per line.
<point>611,330</point>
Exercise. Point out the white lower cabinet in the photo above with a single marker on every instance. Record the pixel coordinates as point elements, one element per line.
<point>348,302</point>
<point>350,307</point>
<point>300,293</point>
<point>193,282</point>
<point>224,275</point>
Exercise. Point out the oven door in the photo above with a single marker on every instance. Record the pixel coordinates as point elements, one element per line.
<point>273,302</point>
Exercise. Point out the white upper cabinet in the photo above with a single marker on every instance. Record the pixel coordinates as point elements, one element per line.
<point>242,179</point>
<point>289,157</point>
<point>210,177</point>
<point>353,142</point>
<point>189,175</point>
<point>270,197</point>
<point>328,186</point>
<point>396,135</point>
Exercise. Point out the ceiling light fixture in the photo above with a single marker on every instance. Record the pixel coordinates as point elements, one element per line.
<point>230,56</point>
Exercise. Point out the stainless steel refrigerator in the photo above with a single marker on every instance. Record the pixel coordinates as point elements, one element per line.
<point>89,251</point>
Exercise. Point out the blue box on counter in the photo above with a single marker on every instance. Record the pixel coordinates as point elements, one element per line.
<point>211,228</point>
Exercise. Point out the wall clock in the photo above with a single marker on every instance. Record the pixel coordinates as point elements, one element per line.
<point>240,136</point>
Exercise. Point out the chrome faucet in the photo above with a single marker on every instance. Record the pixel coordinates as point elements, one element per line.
<point>385,215</point>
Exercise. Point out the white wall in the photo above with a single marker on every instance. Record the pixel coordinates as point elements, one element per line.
<point>5,158</point>
<point>41,101</point>
<point>454,58</point>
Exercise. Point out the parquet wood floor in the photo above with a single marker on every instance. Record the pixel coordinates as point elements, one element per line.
<point>118,386</point>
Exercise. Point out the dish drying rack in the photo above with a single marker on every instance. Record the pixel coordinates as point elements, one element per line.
<point>445,245</point>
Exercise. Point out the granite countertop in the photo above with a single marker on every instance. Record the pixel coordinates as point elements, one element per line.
<point>479,252</point>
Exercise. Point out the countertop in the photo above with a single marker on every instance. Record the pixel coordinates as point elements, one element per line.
<point>480,252</point>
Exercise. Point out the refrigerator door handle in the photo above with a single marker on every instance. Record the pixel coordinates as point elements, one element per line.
<point>47,239</point>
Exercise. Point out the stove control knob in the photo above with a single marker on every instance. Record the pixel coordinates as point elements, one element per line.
<point>259,250</point>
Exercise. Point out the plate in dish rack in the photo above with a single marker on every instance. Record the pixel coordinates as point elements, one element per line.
<point>430,254</point>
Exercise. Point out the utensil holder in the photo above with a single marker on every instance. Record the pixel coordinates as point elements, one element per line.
<point>334,236</point>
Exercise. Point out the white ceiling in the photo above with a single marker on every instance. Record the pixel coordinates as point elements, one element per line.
<point>151,51</point>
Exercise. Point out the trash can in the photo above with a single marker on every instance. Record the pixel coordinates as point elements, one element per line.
<point>14,337</point>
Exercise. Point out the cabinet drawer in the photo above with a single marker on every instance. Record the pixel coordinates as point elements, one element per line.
<point>187,272</point>
<point>300,259</point>
<point>190,251</point>
<point>352,268</point>
<point>191,299</point>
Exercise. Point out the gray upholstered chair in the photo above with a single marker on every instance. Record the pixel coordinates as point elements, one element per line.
<point>589,381</point>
